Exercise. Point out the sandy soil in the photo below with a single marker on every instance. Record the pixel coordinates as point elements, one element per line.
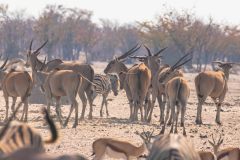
<point>80,140</point>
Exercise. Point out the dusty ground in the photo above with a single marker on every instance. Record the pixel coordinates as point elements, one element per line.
<point>80,140</point>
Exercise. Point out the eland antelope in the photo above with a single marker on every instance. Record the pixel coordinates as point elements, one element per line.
<point>16,84</point>
<point>152,61</point>
<point>213,84</point>
<point>84,70</point>
<point>135,81</point>
<point>177,93</point>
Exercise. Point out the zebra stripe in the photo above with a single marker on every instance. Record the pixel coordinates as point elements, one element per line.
<point>103,84</point>
<point>19,135</point>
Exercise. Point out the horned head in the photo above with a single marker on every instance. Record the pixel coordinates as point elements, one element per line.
<point>32,55</point>
<point>173,71</point>
<point>147,137</point>
<point>150,60</point>
<point>225,66</point>
<point>113,65</point>
<point>216,144</point>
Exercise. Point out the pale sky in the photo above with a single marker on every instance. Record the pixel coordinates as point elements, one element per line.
<point>125,11</point>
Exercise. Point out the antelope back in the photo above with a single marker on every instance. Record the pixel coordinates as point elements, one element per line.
<point>167,73</point>
<point>17,83</point>
<point>139,77</point>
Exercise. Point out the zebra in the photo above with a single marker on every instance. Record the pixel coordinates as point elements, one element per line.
<point>16,135</point>
<point>103,84</point>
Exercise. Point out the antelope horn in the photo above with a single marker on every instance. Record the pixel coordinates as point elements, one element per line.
<point>182,63</point>
<point>140,57</point>
<point>213,139</point>
<point>219,62</point>
<point>37,51</point>
<point>158,53</point>
<point>220,139</point>
<point>5,62</point>
<point>148,50</point>
<point>30,47</point>
<point>180,60</point>
<point>129,52</point>
<point>232,63</point>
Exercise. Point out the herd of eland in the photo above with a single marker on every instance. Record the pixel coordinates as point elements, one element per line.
<point>143,84</point>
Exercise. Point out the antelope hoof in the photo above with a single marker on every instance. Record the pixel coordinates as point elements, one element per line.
<point>5,120</point>
<point>64,125</point>
<point>184,133</point>
<point>182,124</point>
<point>74,125</point>
<point>162,131</point>
<point>176,131</point>
<point>198,121</point>
<point>218,122</point>
<point>81,118</point>
<point>169,123</point>
<point>148,120</point>
<point>90,117</point>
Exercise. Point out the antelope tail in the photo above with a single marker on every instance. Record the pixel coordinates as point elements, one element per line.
<point>53,129</point>
<point>139,73</point>
<point>91,78</point>
<point>179,82</point>
<point>78,85</point>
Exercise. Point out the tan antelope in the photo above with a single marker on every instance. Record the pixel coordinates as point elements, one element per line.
<point>84,70</point>
<point>137,80</point>
<point>172,147</point>
<point>177,93</point>
<point>121,149</point>
<point>213,84</point>
<point>16,135</point>
<point>152,61</point>
<point>56,84</point>
<point>231,153</point>
<point>16,84</point>
<point>117,66</point>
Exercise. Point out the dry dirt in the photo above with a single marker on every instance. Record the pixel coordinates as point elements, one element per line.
<point>80,140</point>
